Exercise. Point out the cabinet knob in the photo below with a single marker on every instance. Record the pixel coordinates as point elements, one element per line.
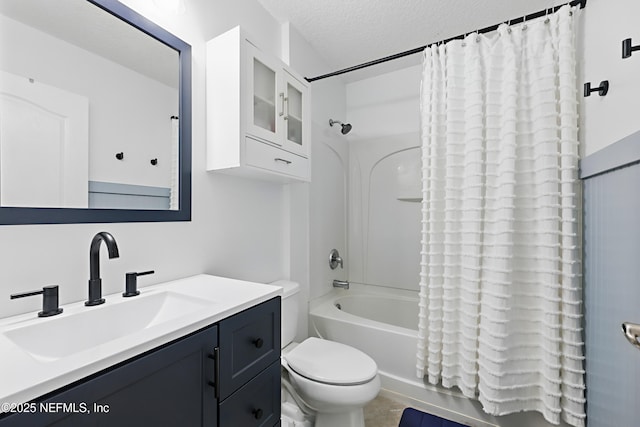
<point>258,342</point>
<point>257,413</point>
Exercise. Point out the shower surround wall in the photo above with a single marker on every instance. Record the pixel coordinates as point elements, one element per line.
<point>384,180</point>
<point>385,211</point>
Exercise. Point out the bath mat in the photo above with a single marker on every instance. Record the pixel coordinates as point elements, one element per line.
<point>414,418</point>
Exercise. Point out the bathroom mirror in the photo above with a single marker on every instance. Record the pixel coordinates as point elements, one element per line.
<point>95,115</point>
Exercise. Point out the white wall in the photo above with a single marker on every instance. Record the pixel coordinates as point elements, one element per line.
<point>322,220</point>
<point>605,120</point>
<point>239,227</point>
<point>128,112</point>
<point>385,105</point>
<point>328,189</point>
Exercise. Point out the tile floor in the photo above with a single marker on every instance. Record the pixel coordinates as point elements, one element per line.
<point>383,412</point>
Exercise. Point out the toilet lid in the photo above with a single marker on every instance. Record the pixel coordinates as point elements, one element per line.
<point>330,362</point>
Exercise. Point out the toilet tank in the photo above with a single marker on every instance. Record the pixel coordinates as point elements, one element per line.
<point>290,308</point>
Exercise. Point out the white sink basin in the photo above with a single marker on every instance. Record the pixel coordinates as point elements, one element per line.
<point>73,332</point>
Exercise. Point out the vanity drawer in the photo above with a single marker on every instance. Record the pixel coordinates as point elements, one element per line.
<point>249,343</point>
<point>257,403</point>
<point>265,156</point>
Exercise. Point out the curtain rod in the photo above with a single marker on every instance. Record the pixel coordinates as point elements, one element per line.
<point>581,3</point>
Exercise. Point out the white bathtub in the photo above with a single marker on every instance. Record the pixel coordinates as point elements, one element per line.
<point>383,326</point>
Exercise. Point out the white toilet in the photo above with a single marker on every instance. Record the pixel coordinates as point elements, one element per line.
<point>331,379</point>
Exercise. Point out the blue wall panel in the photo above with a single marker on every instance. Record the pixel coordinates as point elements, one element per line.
<point>612,288</point>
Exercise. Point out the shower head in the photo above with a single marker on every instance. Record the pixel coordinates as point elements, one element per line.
<point>346,127</point>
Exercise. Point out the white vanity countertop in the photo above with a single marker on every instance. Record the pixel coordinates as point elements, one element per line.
<point>26,375</point>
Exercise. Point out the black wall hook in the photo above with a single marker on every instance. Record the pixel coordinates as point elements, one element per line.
<point>627,49</point>
<point>154,161</point>
<point>120,155</point>
<point>602,90</point>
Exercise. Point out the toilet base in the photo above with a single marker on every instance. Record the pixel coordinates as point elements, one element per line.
<point>290,413</point>
<point>353,418</point>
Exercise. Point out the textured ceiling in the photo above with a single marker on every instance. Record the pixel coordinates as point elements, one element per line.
<point>350,32</point>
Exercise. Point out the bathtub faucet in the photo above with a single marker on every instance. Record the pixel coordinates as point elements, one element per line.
<point>341,284</point>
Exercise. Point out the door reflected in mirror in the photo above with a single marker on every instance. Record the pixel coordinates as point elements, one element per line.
<point>87,101</point>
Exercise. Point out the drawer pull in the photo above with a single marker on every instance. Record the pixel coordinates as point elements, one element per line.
<point>258,342</point>
<point>286,162</point>
<point>216,371</point>
<point>257,413</point>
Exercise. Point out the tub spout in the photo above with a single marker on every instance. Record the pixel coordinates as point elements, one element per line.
<point>341,284</point>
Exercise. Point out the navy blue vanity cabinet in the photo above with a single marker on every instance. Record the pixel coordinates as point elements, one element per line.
<point>168,386</point>
<point>250,367</point>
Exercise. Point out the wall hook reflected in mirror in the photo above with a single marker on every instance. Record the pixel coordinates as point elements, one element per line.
<point>628,49</point>
<point>154,162</point>
<point>120,155</point>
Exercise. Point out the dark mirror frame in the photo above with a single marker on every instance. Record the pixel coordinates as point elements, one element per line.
<point>15,215</point>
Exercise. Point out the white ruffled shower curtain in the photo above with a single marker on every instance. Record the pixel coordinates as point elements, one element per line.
<point>500,283</point>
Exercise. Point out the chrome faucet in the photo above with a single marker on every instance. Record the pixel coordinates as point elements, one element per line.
<point>95,282</point>
<point>335,259</point>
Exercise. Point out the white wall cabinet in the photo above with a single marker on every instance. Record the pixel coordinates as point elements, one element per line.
<point>258,114</point>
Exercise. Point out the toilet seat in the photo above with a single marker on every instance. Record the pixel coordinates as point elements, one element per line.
<point>330,362</point>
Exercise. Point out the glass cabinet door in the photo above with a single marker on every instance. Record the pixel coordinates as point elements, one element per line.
<point>295,114</point>
<point>266,103</point>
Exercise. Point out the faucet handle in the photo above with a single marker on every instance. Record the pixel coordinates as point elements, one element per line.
<point>131,283</point>
<point>335,259</point>
<point>50,305</point>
